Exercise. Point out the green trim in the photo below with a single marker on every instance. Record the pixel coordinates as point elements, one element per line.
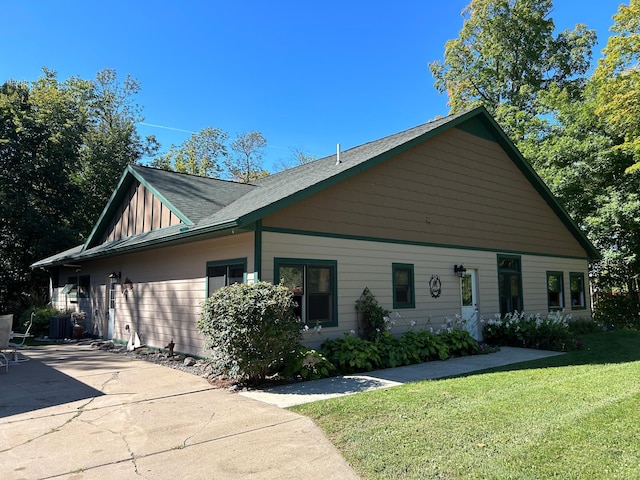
<point>477,122</point>
<point>225,263</point>
<point>290,231</point>
<point>525,167</point>
<point>281,261</point>
<point>560,276</point>
<point>478,128</point>
<point>257,251</point>
<point>118,196</point>
<point>412,285</point>
<point>579,275</point>
<point>509,271</point>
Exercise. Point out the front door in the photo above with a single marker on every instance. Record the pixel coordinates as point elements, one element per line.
<point>111,303</point>
<point>469,309</point>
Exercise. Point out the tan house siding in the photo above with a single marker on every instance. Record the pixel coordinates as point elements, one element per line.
<point>169,285</point>
<point>455,189</point>
<point>140,212</point>
<point>369,264</point>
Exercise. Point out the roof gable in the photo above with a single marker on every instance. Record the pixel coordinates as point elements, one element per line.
<point>185,199</point>
<point>205,205</point>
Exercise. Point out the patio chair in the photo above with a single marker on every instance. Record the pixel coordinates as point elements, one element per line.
<point>6,321</point>
<point>23,336</point>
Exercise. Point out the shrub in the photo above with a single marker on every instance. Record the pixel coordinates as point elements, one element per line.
<point>41,320</point>
<point>372,316</point>
<point>519,330</point>
<point>352,354</point>
<point>460,342</point>
<point>250,329</point>
<point>428,345</point>
<point>617,310</point>
<point>308,364</point>
<point>395,352</point>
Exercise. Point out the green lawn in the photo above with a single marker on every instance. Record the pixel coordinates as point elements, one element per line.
<point>575,416</point>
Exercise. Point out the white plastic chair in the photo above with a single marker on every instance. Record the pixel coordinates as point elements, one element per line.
<point>16,345</point>
<point>6,321</point>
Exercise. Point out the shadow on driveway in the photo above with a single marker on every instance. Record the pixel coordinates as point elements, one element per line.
<point>33,385</point>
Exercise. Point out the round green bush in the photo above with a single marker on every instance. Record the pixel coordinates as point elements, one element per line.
<point>250,329</point>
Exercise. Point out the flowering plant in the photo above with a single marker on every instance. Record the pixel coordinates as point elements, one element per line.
<point>517,329</point>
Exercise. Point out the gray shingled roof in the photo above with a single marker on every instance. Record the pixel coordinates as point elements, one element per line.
<point>195,197</point>
<point>212,205</point>
<point>278,187</point>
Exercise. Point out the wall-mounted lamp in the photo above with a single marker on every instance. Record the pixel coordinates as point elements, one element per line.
<point>115,275</point>
<point>459,270</point>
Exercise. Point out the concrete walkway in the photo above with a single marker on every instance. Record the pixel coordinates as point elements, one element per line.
<point>304,392</point>
<point>76,413</point>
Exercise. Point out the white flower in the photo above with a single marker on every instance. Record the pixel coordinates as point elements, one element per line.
<point>352,332</point>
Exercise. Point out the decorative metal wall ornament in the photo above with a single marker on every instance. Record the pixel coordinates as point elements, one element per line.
<point>435,286</point>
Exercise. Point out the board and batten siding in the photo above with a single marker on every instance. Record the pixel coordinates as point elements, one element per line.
<point>362,263</point>
<point>454,189</point>
<point>139,212</point>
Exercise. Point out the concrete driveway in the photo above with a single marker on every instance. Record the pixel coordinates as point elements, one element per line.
<point>73,412</point>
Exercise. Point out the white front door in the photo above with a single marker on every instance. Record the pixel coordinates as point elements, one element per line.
<point>111,300</point>
<point>469,308</point>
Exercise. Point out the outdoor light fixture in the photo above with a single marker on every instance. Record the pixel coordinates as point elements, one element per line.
<point>459,270</point>
<point>115,275</point>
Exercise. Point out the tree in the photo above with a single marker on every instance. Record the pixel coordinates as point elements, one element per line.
<point>245,165</point>
<point>199,155</point>
<point>63,147</point>
<point>111,141</point>
<point>42,127</point>
<point>506,55</point>
<point>298,157</point>
<point>617,81</point>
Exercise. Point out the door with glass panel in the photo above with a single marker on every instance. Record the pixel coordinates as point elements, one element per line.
<point>469,307</point>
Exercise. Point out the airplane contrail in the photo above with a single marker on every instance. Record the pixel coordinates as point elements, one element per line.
<point>166,128</point>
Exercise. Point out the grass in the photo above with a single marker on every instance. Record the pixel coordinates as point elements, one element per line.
<point>573,416</point>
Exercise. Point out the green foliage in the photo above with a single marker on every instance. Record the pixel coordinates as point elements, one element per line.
<point>63,147</point>
<point>506,54</point>
<point>352,354</point>
<point>250,329</point>
<point>372,316</point>
<point>307,364</point>
<point>201,154</point>
<point>617,310</point>
<point>572,416</point>
<point>459,342</point>
<point>41,320</point>
<point>519,330</point>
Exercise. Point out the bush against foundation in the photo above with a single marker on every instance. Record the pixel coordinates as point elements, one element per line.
<point>250,329</point>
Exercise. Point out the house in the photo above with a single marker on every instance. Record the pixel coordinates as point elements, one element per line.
<point>442,219</point>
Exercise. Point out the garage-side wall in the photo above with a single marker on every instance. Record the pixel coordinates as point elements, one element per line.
<point>169,285</point>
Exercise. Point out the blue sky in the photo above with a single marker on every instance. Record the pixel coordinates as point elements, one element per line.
<point>306,74</point>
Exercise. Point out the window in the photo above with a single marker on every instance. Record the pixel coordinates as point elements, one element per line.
<point>510,284</point>
<point>314,287</point>
<point>224,273</point>
<point>555,290</point>
<point>403,286</point>
<point>576,281</point>
<point>77,287</point>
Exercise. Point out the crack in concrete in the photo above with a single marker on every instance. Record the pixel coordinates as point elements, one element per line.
<point>80,410</point>
<point>203,426</point>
